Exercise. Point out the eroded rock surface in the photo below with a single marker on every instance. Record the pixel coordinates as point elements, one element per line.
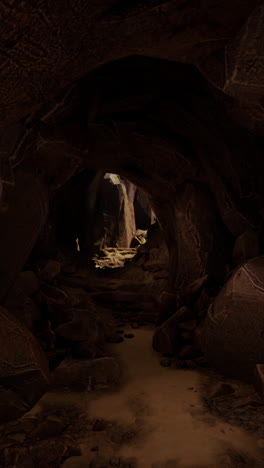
<point>24,374</point>
<point>232,338</point>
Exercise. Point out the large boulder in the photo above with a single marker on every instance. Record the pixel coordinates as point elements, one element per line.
<point>232,336</point>
<point>23,221</point>
<point>84,326</point>
<point>24,373</point>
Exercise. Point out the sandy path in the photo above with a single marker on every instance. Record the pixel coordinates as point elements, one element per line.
<point>165,406</point>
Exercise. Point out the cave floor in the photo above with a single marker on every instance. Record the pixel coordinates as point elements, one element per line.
<point>156,418</point>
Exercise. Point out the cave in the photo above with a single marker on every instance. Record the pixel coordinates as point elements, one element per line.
<point>132,234</point>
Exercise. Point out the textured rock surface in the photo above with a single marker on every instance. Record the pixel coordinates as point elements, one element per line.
<point>26,214</point>
<point>24,374</point>
<point>86,374</point>
<point>232,338</point>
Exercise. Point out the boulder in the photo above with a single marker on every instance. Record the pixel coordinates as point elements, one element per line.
<point>28,282</point>
<point>23,221</point>
<point>50,270</point>
<point>24,373</point>
<point>246,246</point>
<point>86,373</point>
<point>232,337</point>
<point>23,307</point>
<point>84,326</point>
<point>166,338</point>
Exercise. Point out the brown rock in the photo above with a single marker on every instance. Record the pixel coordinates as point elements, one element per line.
<point>189,325</point>
<point>23,307</point>
<point>84,326</point>
<point>85,349</point>
<point>246,246</point>
<point>221,389</point>
<point>28,282</point>
<point>24,373</point>
<point>166,338</point>
<point>83,374</point>
<point>232,334</point>
<point>50,270</point>
<point>26,214</point>
<point>52,426</point>
<point>74,462</point>
<point>48,452</point>
<point>187,352</point>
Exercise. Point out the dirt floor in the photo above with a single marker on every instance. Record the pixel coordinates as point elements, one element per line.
<point>160,417</point>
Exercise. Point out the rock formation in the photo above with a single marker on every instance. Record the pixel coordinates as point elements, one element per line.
<point>169,95</point>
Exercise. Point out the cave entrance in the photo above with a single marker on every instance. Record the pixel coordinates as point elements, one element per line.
<point>104,216</point>
<point>119,215</point>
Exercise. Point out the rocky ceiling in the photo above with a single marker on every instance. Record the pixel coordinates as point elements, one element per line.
<point>168,94</point>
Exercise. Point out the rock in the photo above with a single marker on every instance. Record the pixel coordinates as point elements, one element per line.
<point>129,335</point>
<point>114,338</point>
<point>221,389</point>
<point>50,271</point>
<point>77,462</point>
<point>189,325</point>
<point>85,349</point>
<point>190,364</point>
<point>24,373</point>
<point>48,452</point>
<point>99,425</point>
<point>232,334</point>
<point>84,326</point>
<point>23,221</point>
<point>246,246</point>
<point>54,295</point>
<point>187,336</point>
<point>28,282</point>
<point>52,426</point>
<point>187,352</point>
<point>166,338</point>
<point>23,308</point>
<point>201,361</point>
<point>85,373</point>
<point>165,362</point>
<point>259,379</point>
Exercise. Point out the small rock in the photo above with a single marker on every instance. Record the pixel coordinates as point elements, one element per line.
<point>190,364</point>
<point>135,325</point>
<point>99,425</point>
<point>221,389</point>
<point>201,361</point>
<point>187,352</point>
<point>114,338</point>
<point>95,449</point>
<point>165,363</point>
<point>129,335</point>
